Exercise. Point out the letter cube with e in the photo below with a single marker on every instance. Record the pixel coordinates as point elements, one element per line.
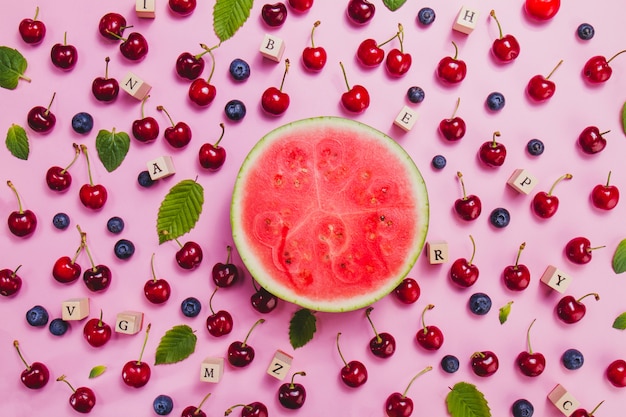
<point>75,309</point>
<point>280,365</point>
<point>466,20</point>
<point>129,322</point>
<point>563,400</point>
<point>556,279</point>
<point>522,181</point>
<point>437,252</point>
<point>145,8</point>
<point>406,118</point>
<point>135,86</point>
<point>212,370</point>
<point>161,167</point>
<point>272,48</point>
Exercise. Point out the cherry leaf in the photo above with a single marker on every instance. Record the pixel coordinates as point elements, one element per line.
<point>465,400</point>
<point>180,210</point>
<point>12,67</point>
<point>17,142</point>
<point>624,118</point>
<point>229,16</point>
<point>96,371</point>
<point>302,328</point>
<point>112,148</point>
<point>394,5</point>
<point>619,258</point>
<point>620,322</point>
<point>177,344</point>
<point>504,312</point>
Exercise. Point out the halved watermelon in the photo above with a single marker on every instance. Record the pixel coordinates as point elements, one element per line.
<point>329,213</point>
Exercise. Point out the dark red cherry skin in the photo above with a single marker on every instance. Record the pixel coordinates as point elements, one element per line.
<point>96,332</point>
<point>202,92</point>
<point>292,395</point>
<point>36,376</point>
<point>263,301</point>
<point>468,208</point>
<point>383,346</point>
<point>451,70</point>
<point>506,48</point>
<point>219,323</point>
<point>179,135</point>
<point>182,7</point>
<point>146,129</point>
<point>93,196</point>
<point>32,31</point>
<point>356,100</point>
<point>531,364</point>
<point>274,15</point>
<point>616,373</point>
<point>463,273</point>
<point>398,405</point>
<point>360,11</point>
<point>398,63</point>
<point>211,157</point>
<point>136,374</point>
<point>41,119</point>
<point>408,291</point>
<point>591,140</point>
<point>97,278</point>
<point>135,47</point>
<point>369,54</point>
<point>430,337</point>
<point>453,129</point>
<point>83,399</point>
<point>58,179</point>
<point>605,196</point>
<point>314,58</point>
<point>64,56</point>
<point>354,374</point>
<point>22,224</point>
<point>539,88</point>
<point>542,9</point>
<point>570,310</point>
<point>274,101</point>
<point>240,354</point>
<point>10,282</point>
<point>112,24</point>
<point>189,256</point>
<point>492,154</point>
<point>545,205</point>
<point>157,291</point>
<point>484,363</point>
<point>516,277</point>
<point>65,270</point>
<point>189,66</point>
<point>301,5</point>
<point>597,70</point>
<point>578,250</point>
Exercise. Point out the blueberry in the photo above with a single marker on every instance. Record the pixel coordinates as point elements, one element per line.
<point>522,408</point>
<point>480,303</point>
<point>495,101</point>
<point>191,307</point>
<point>163,405</point>
<point>426,16</point>
<point>585,31</point>
<point>61,221</point>
<point>439,161</point>
<point>450,364</point>
<point>239,69</point>
<point>235,110</point>
<point>37,316</point>
<point>535,147</point>
<point>415,94</point>
<point>115,225</point>
<point>82,123</point>
<point>124,249</point>
<point>58,327</point>
<point>500,217</point>
<point>572,359</point>
<point>144,179</point>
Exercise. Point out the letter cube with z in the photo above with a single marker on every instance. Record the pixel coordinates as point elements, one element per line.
<point>280,365</point>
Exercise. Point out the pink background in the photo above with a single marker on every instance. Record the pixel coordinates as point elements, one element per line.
<point>558,122</point>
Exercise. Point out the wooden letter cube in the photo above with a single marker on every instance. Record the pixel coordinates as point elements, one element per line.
<point>75,309</point>
<point>161,167</point>
<point>129,322</point>
<point>406,119</point>
<point>563,400</point>
<point>135,86</point>
<point>280,365</point>
<point>212,370</point>
<point>145,8</point>
<point>272,48</point>
<point>522,181</point>
<point>437,252</point>
<point>556,279</point>
<point>466,20</point>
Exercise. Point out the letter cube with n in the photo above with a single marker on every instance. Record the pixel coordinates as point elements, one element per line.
<point>556,279</point>
<point>466,20</point>
<point>280,365</point>
<point>563,400</point>
<point>272,48</point>
<point>161,167</point>
<point>145,8</point>
<point>406,119</point>
<point>212,370</point>
<point>75,309</point>
<point>437,252</point>
<point>522,181</point>
<point>135,86</point>
<point>129,322</point>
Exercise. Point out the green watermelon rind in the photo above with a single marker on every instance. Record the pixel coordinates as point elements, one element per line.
<point>264,278</point>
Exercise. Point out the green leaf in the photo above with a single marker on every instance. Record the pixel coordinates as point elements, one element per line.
<point>12,67</point>
<point>180,210</point>
<point>465,400</point>
<point>229,16</point>
<point>620,322</point>
<point>96,371</point>
<point>177,344</point>
<point>394,5</point>
<point>619,258</point>
<point>504,312</point>
<point>624,118</point>
<point>17,142</point>
<point>301,328</point>
<point>112,148</point>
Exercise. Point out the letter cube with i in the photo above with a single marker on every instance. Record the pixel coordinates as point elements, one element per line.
<point>406,118</point>
<point>75,309</point>
<point>466,20</point>
<point>280,365</point>
<point>556,279</point>
<point>272,48</point>
<point>145,8</point>
<point>129,322</point>
<point>437,252</point>
<point>563,400</point>
<point>161,167</point>
<point>135,86</point>
<point>522,181</point>
<point>212,369</point>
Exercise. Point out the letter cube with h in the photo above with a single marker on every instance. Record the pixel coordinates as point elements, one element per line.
<point>466,20</point>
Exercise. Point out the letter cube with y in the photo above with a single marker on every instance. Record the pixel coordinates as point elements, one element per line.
<point>212,370</point>
<point>466,20</point>
<point>556,279</point>
<point>145,8</point>
<point>406,118</point>
<point>563,400</point>
<point>522,181</point>
<point>135,86</point>
<point>280,365</point>
<point>75,309</point>
<point>161,167</point>
<point>272,48</point>
<point>437,252</point>
<point>129,322</point>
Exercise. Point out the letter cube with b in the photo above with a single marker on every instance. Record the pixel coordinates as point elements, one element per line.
<point>272,48</point>
<point>212,369</point>
<point>75,309</point>
<point>280,365</point>
<point>466,20</point>
<point>437,252</point>
<point>129,322</point>
<point>161,167</point>
<point>522,181</point>
<point>145,8</point>
<point>563,400</point>
<point>135,86</point>
<point>556,279</point>
<point>406,118</point>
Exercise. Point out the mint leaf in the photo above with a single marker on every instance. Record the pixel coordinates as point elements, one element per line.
<point>393,5</point>
<point>504,312</point>
<point>624,118</point>
<point>112,148</point>
<point>620,322</point>
<point>229,16</point>
<point>96,371</point>
<point>17,142</point>
<point>301,328</point>
<point>180,210</point>
<point>177,344</point>
<point>619,258</point>
<point>465,400</point>
<point>12,67</point>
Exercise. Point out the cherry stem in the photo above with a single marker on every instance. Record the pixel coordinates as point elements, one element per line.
<point>62,378</point>
<point>84,245</point>
<point>292,385</point>
<point>493,139</point>
<point>83,149</point>
<point>345,77</point>
<point>259,321</point>
<point>428,307</point>
<point>473,250</point>
<point>15,271</point>
<point>115,35</point>
<point>530,349</point>
<point>50,104</point>
<point>100,322</point>
<point>595,295</point>
<point>561,178</point>
<point>211,300</point>
<point>400,36</point>
<point>76,153</point>
<point>145,340</point>
<point>65,38</point>
<point>19,202</point>
<point>83,242</point>
<point>614,56</point>
<point>388,40</point>
<point>367,314</point>
<point>230,410</point>
<point>595,408</point>
<point>212,65</point>
<point>605,132</point>
<point>519,253</point>
<point>36,13</point>
<point>456,107</point>
<point>143,102</point>
<point>596,247</point>
<point>154,277</point>
<point>106,67</point>
<point>339,350</point>
<point>176,240</point>
<point>197,410</point>
<point>554,69</point>
<point>608,179</point>
<point>284,74</point>
<point>422,372</point>
<point>216,144</point>
<point>316,24</point>
<point>456,50</point>
<point>460,177</point>
<point>493,14</point>
<point>161,108</point>
<point>17,347</point>
<point>206,50</point>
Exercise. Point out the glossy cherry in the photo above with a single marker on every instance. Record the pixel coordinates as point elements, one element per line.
<point>292,395</point>
<point>134,47</point>
<point>484,363</point>
<point>453,128</point>
<point>605,196</point>
<point>22,223</point>
<point>353,373</point>
<point>96,332</point>
<point>201,91</point>
<point>59,179</point>
<point>145,129</point>
<point>301,5</point>
<point>254,409</point>
<point>66,270</point>
<point>225,274</point>
<point>529,362</point>
<point>506,48</point>
<point>10,282</point>
<point>357,98</point>
<point>82,399</point>
<point>156,290</point>
<point>492,153</point>
<point>542,9</point>
<point>262,300</point>
<point>382,345</point>
<point>578,250</point>
<point>616,373</point>
<point>571,310</point>
<point>408,291</point>
<point>591,140</point>
<point>240,354</point>
<point>104,88</point>
<point>189,66</point>
<point>544,204</point>
<point>398,62</point>
<point>275,101</point>
<point>541,88</point>
<point>41,119</point>
<point>178,135</point>
<point>360,11</point>
<point>111,26</point>
<point>274,14</point>
<point>63,55</point>
<point>136,374</point>
<point>314,57</point>
<point>597,69</point>
<point>212,156</point>
<point>98,277</point>
<point>399,405</point>
<point>581,412</point>
<point>182,7</point>
<point>36,375</point>
<point>93,196</point>
<point>451,69</point>
<point>218,323</point>
<point>369,53</point>
<point>195,411</point>
<point>463,272</point>
<point>189,256</point>
<point>32,30</point>
<point>429,337</point>
<point>467,207</point>
<point>516,277</point>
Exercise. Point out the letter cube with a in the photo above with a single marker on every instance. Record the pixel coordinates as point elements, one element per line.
<point>129,322</point>
<point>145,8</point>
<point>161,167</point>
<point>522,181</point>
<point>563,400</point>
<point>280,365</point>
<point>272,48</point>
<point>437,252</point>
<point>212,369</point>
<point>406,118</point>
<point>556,279</point>
<point>75,309</point>
<point>135,86</point>
<point>466,20</point>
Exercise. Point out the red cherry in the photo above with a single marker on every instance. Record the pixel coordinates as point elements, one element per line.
<point>452,69</point>
<point>145,129</point>
<point>65,269</point>
<point>605,196</point>
<point>189,256</point>
<point>360,11</point>
<point>616,373</point>
<point>314,57</point>
<point>274,15</point>
<point>505,48</point>
<point>134,47</point>
<point>591,141</point>
<point>398,62</point>
<point>41,119</point>
<point>178,135</point>
<point>597,69</point>
<point>369,53</point>
<point>467,207</point>
<point>463,272</point>
<point>382,345</point>
<point>570,310</point>
<point>542,9</point>
<point>105,89</point>
<point>453,128</point>
<point>156,290</point>
<point>32,30</point>
<point>274,101</point>
<point>112,24</point>
<point>96,332</point>
<point>583,413</point>
<point>220,323</point>
<point>484,363</point>
<point>540,88</point>
<point>408,291</point>
<point>301,5</point>
<point>59,179</point>
<point>82,399</point>
<point>190,66</point>
<point>429,337</point>
<point>529,362</point>
<point>240,354</point>
<point>201,91</point>
<point>254,409</point>
<point>22,223</point>
<point>36,375</point>
<point>262,300</point>
<point>195,411</point>
<point>10,282</point>
<point>93,196</point>
<point>578,250</point>
<point>292,395</point>
<point>64,56</point>
<point>225,274</point>
<point>492,153</point>
<point>182,7</point>
<point>545,204</point>
<point>212,156</point>
<point>98,277</point>
<point>516,277</point>
<point>136,374</point>
<point>353,373</point>
<point>399,405</point>
<point>357,98</point>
